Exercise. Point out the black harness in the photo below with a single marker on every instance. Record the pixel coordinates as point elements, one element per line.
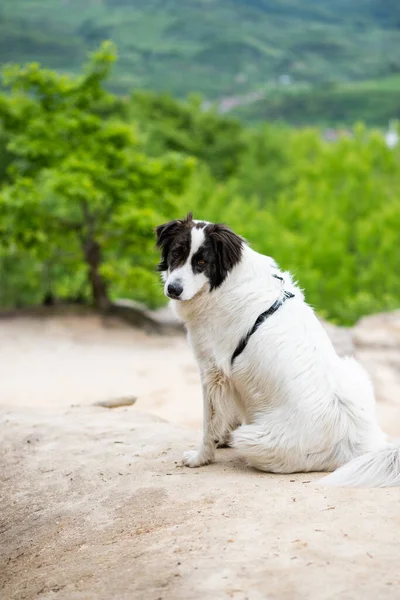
<point>272,309</point>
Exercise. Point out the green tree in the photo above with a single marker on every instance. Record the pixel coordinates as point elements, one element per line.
<point>185,127</point>
<point>83,197</point>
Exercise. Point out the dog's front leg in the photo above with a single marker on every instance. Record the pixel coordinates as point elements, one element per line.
<point>215,422</point>
<point>206,453</point>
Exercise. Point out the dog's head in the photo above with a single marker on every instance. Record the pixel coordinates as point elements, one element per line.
<point>196,256</point>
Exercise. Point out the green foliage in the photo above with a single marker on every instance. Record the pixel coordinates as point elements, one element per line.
<point>83,195</point>
<point>183,127</point>
<point>86,176</point>
<point>335,222</point>
<point>264,169</point>
<point>221,48</point>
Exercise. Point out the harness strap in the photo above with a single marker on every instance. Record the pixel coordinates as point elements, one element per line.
<point>272,309</point>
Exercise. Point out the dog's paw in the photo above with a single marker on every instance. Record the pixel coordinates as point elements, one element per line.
<point>193,458</point>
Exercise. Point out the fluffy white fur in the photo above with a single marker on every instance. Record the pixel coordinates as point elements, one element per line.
<point>289,403</point>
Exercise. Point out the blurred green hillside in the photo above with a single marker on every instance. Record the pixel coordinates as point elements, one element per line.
<point>313,61</point>
<point>374,101</point>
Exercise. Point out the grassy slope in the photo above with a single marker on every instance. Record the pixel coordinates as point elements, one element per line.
<point>217,47</point>
<point>374,101</point>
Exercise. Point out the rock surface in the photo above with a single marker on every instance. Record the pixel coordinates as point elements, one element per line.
<point>96,506</point>
<point>377,342</point>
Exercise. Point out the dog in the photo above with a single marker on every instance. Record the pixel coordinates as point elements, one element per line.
<point>273,386</point>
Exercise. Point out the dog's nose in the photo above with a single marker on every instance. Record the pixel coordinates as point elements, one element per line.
<point>175,290</point>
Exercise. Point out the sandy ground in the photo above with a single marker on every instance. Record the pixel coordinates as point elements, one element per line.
<point>75,360</point>
<point>80,360</point>
<point>96,505</point>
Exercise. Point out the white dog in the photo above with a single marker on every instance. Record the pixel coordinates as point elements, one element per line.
<point>273,385</point>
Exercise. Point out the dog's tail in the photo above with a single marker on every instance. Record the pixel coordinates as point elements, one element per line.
<point>380,468</point>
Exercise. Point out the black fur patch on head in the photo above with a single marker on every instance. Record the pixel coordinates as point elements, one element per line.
<point>174,239</point>
<point>227,249</point>
<point>216,257</point>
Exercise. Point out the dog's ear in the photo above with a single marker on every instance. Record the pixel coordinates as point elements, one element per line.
<point>165,234</point>
<point>228,248</point>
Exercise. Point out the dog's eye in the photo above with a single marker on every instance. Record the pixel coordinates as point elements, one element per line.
<point>201,262</point>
